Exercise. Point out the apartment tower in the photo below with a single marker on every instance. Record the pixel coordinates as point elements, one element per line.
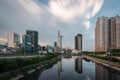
<point>13,40</point>
<point>107,34</point>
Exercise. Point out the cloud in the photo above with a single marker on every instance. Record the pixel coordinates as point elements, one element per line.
<point>86,24</point>
<point>30,6</point>
<point>67,10</point>
<point>96,7</point>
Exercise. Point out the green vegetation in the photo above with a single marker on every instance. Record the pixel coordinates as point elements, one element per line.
<point>108,58</point>
<point>11,67</point>
<point>11,64</point>
<point>18,54</point>
<point>115,52</point>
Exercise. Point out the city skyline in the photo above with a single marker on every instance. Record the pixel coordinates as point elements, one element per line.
<point>49,16</point>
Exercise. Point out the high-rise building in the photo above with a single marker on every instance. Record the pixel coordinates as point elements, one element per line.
<point>102,34</point>
<point>55,44</point>
<point>107,34</point>
<point>13,40</point>
<point>34,39</point>
<point>59,40</point>
<point>55,47</point>
<point>114,32</point>
<point>26,39</point>
<point>78,42</point>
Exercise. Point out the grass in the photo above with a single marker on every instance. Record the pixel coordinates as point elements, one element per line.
<point>11,67</point>
<point>107,58</point>
<point>15,63</point>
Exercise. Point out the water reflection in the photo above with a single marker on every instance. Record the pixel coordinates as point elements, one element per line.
<point>104,73</point>
<point>70,68</point>
<point>78,64</point>
<point>35,75</point>
<point>75,68</point>
<point>59,68</point>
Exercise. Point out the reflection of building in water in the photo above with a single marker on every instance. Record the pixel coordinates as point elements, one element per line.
<point>78,64</point>
<point>59,68</point>
<point>103,73</point>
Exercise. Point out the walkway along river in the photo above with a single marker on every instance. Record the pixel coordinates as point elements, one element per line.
<point>74,68</point>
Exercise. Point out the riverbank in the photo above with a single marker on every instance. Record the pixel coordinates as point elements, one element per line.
<point>112,65</point>
<point>20,56</point>
<point>20,66</point>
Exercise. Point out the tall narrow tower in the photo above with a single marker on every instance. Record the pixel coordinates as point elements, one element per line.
<point>78,42</point>
<point>59,40</point>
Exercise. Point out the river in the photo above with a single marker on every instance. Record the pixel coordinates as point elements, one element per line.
<point>74,68</point>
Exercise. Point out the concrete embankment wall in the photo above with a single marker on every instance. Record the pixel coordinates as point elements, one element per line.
<point>113,65</point>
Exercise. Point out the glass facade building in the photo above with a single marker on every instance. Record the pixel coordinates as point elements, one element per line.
<point>34,39</point>
<point>27,43</point>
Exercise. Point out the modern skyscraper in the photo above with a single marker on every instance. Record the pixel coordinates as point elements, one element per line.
<point>13,40</point>
<point>78,42</point>
<point>26,39</point>
<point>59,40</point>
<point>107,34</point>
<point>34,39</point>
<point>55,44</point>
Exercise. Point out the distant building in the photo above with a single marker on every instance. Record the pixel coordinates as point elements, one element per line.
<point>34,39</point>
<point>55,47</point>
<point>26,39</point>
<point>49,49</point>
<point>3,41</point>
<point>107,34</point>
<point>13,40</point>
<point>59,43</point>
<point>3,48</point>
<point>55,44</point>
<point>78,42</point>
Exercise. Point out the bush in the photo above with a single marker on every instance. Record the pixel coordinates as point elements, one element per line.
<point>108,58</point>
<point>11,64</point>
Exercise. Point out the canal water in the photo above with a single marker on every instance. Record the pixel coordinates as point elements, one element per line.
<point>75,68</point>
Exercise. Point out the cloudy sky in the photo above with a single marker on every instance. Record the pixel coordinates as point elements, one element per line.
<point>48,16</point>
